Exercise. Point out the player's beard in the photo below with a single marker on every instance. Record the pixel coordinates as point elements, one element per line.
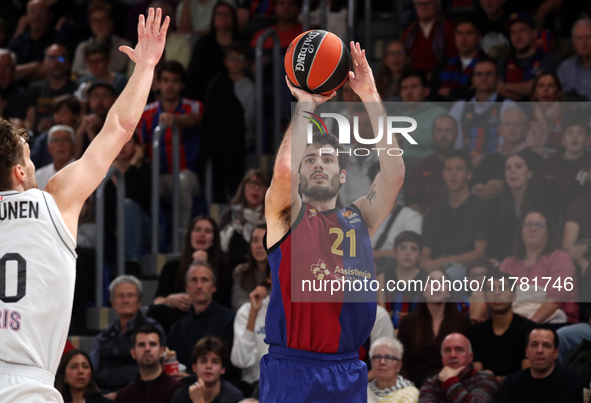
<point>320,193</point>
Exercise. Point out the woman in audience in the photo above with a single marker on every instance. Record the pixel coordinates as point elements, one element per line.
<point>547,274</point>
<point>389,386</point>
<point>479,270</point>
<point>247,211</point>
<point>521,192</point>
<point>545,134</point>
<point>207,58</point>
<point>422,332</point>
<point>202,242</point>
<point>394,63</point>
<point>251,274</point>
<point>75,379</point>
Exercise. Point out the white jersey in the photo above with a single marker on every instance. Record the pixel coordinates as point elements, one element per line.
<point>37,276</point>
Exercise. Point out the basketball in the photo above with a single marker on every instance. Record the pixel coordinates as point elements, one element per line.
<point>317,61</point>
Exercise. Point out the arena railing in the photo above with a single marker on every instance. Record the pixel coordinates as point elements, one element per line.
<point>277,61</point>
<point>100,236</point>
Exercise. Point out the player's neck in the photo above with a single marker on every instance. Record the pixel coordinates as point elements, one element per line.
<point>436,309</point>
<point>169,105</point>
<point>501,321</point>
<point>77,395</point>
<point>321,205</point>
<point>459,197</point>
<point>124,320</point>
<point>200,307</point>
<point>211,392</point>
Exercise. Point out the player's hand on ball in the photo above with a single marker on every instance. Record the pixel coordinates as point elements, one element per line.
<point>257,296</point>
<point>304,96</point>
<point>361,78</point>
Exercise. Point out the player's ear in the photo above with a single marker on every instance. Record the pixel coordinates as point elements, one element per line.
<point>133,355</point>
<point>343,176</point>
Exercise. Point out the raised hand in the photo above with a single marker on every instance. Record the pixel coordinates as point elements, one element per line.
<point>151,39</point>
<point>304,96</point>
<point>256,297</point>
<point>361,78</point>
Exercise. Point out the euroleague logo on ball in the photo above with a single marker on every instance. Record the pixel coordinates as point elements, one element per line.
<point>317,61</point>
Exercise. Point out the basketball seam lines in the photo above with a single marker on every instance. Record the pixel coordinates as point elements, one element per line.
<point>338,63</point>
<point>314,61</point>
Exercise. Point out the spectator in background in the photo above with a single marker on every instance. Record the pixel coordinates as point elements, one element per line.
<point>458,380</point>
<point>207,56</point>
<point>452,78</point>
<point>201,241</point>
<point>566,175</point>
<point>394,63</point>
<point>66,111</point>
<point>519,70</point>
<point>174,111</point>
<point>249,332</point>
<point>491,16</point>
<point>101,96</point>
<point>206,317</point>
<point>75,379</point>
<point>426,187</point>
<point>386,356</point>
<point>478,270</point>
<point>224,124</point>
<point>454,231</point>
<point>153,384</point>
<point>42,94</point>
<point>414,90</point>
<point>422,331</point>
<point>575,72</point>
<point>407,249</point>
<point>547,114</point>
<point>236,63</point>
<point>478,117</point>
<point>246,212</point>
<point>499,342</point>
<point>15,95</point>
<point>521,193</point>
<point>430,39</point>
<point>209,357</point>
<point>97,57</point>
<point>30,46</point>
<point>544,381</point>
<point>195,16</point>
<point>102,25</point>
<point>138,190</point>
<point>249,275</point>
<point>490,175</point>
<point>287,26</point>
<point>60,144</point>
<point>536,256</point>
<point>110,355</point>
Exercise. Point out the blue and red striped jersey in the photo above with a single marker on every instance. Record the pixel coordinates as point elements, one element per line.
<point>189,141</point>
<point>321,246</point>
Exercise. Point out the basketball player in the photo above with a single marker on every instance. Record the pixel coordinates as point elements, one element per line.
<point>38,232</point>
<point>313,352</point>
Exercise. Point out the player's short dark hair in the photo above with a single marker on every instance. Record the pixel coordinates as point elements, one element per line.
<point>209,344</point>
<point>461,154</point>
<point>408,236</point>
<point>146,329</point>
<point>320,139</point>
<point>97,47</point>
<point>11,151</point>
<point>171,66</point>
<point>544,327</point>
<point>99,5</point>
<point>68,101</point>
<point>415,73</point>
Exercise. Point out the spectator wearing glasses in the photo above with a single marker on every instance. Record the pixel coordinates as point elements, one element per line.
<point>394,63</point>
<point>458,381</point>
<point>537,257</point>
<point>246,212</point>
<point>388,385</point>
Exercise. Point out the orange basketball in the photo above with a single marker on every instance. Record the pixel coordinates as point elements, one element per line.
<point>317,61</point>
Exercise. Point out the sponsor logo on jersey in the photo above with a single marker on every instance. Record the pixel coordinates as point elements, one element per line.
<point>313,212</point>
<point>319,270</point>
